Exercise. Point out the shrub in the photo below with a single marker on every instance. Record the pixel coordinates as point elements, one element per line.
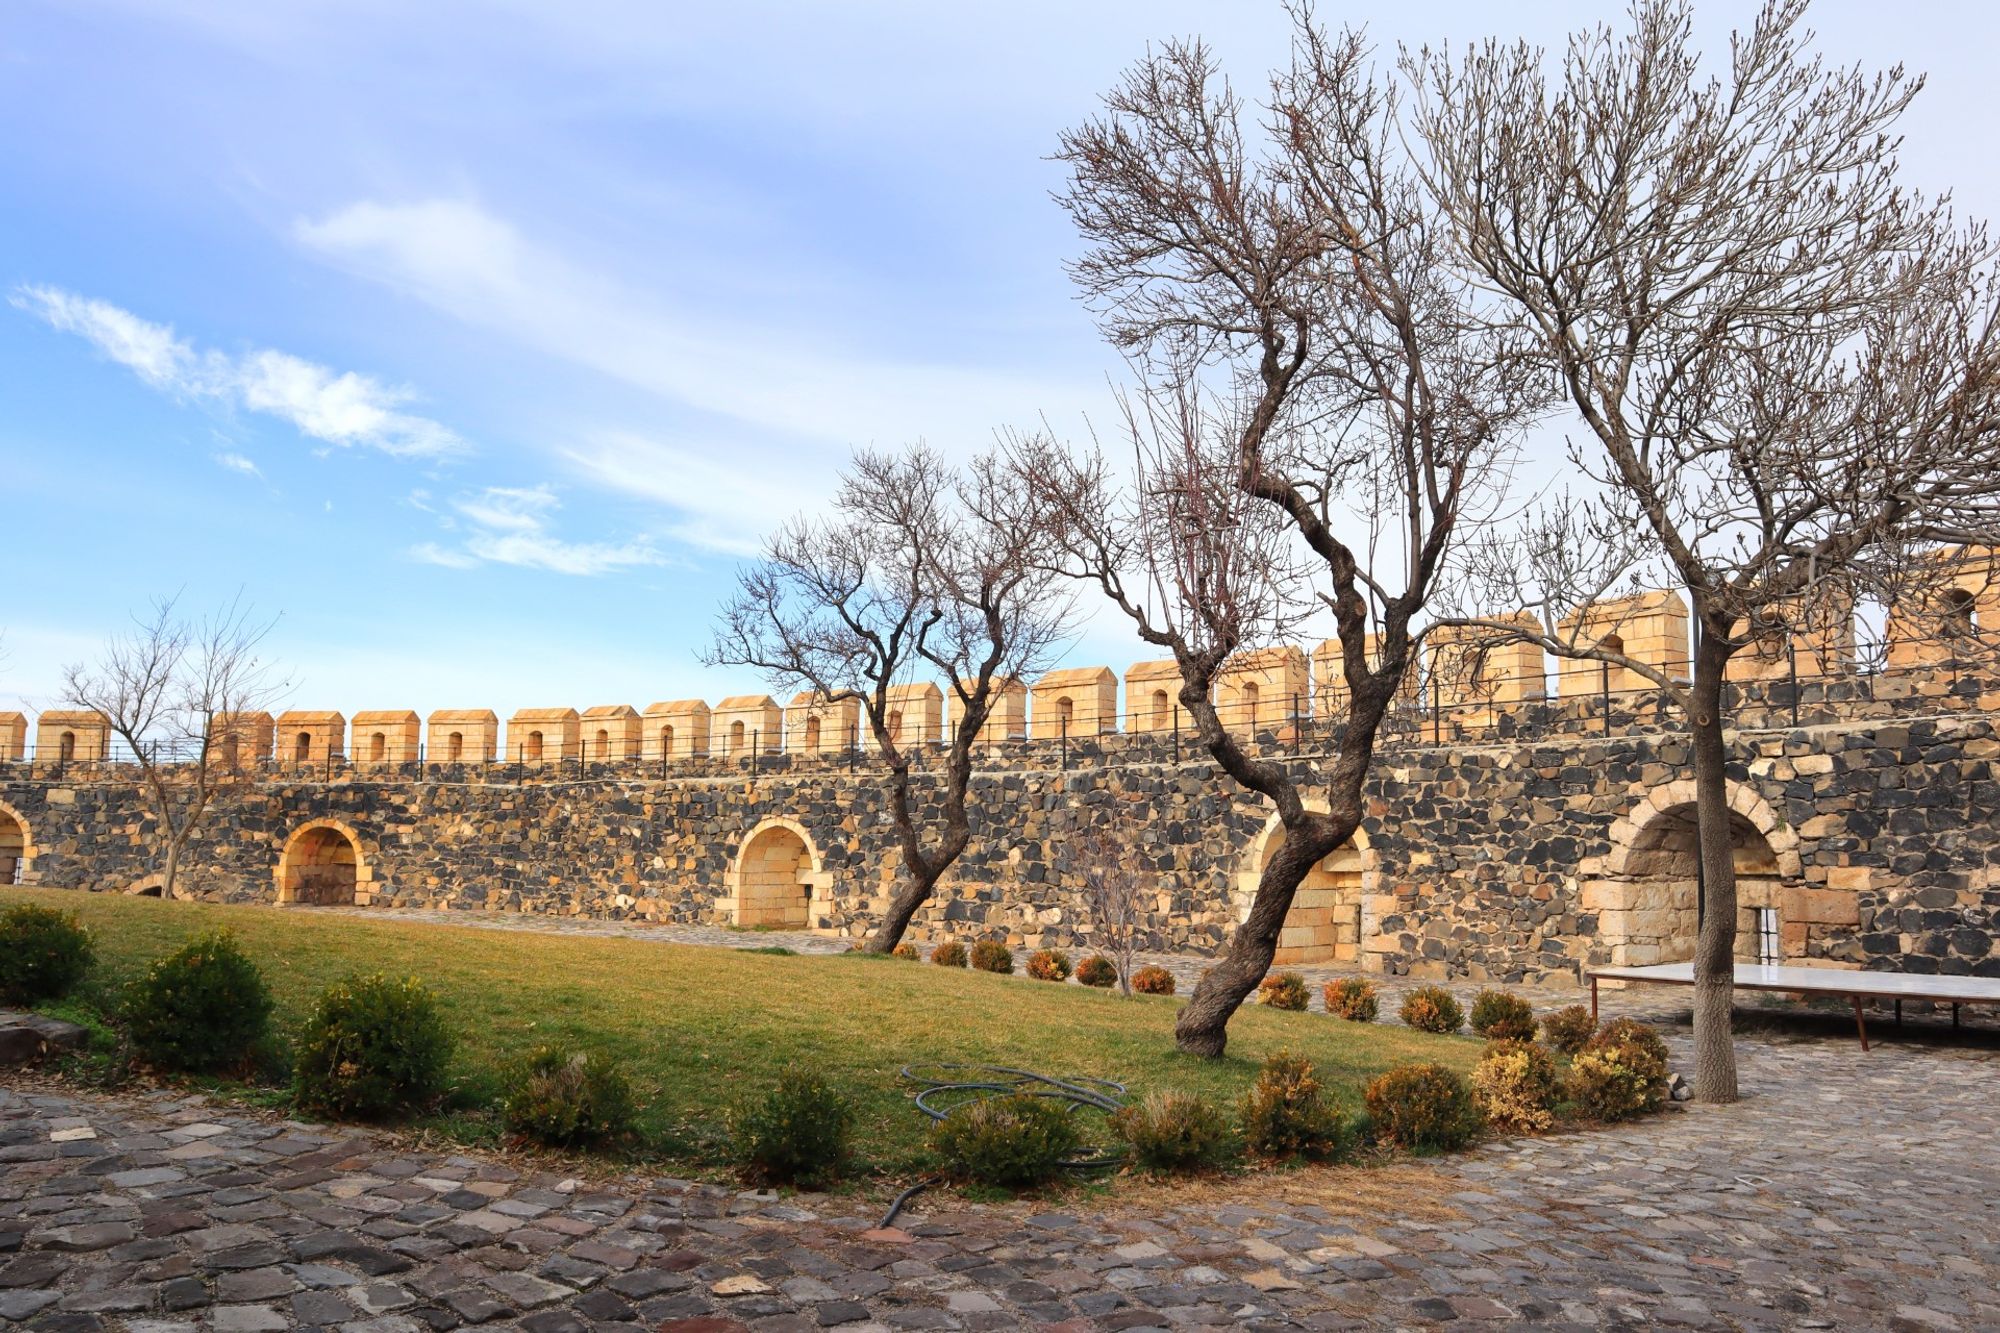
<point>1431,1009</point>
<point>43,954</point>
<point>1620,1073</point>
<point>1352,998</point>
<point>1049,965</point>
<point>906,950</point>
<point>373,1047</point>
<point>949,954</point>
<point>992,956</point>
<point>202,1007</point>
<point>1097,970</point>
<point>1287,990</point>
<point>799,1133</point>
<point>1174,1132</point>
<point>1014,1142</point>
<point>1517,1086</point>
<point>568,1099</point>
<point>1288,1113</point>
<point>1498,1016</point>
<point>1425,1108</point>
<point>1153,981</point>
<point>1568,1029</point>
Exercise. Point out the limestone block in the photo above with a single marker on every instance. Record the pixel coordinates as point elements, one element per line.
<point>675,729</point>
<point>913,714</point>
<point>745,720</point>
<point>1477,669</point>
<point>815,725</point>
<point>13,737</point>
<point>1651,627</point>
<point>310,737</point>
<point>1152,697</point>
<point>543,736</point>
<point>1814,638</point>
<point>1952,615</point>
<point>72,737</point>
<point>241,740</point>
<point>1076,702</point>
<point>462,736</point>
<point>1850,877</point>
<point>1265,690</point>
<point>1006,713</point>
<point>1831,907</point>
<point>386,737</point>
<point>610,732</point>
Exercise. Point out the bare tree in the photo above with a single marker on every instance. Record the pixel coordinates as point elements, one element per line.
<point>921,567</point>
<point>1784,361</point>
<point>1323,402</point>
<point>166,689</point>
<point>1114,892</point>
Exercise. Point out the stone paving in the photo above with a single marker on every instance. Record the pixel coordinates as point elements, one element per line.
<point>1848,1191</point>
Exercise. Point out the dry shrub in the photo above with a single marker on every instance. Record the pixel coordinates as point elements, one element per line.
<point>1517,1086</point>
<point>992,956</point>
<point>1568,1029</point>
<point>1286,990</point>
<point>1097,970</point>
<point>1353,998</point>
<point>1049,965</point>
<point>949,954</point>
<point>1498,1016</point>
<point>1153,981</point>
<point>1432,1009</point>
<point>1288,1114</point>
<point>1175,1133</point>
<point>1423,1108</point>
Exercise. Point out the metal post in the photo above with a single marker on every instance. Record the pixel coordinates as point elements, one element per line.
<point>1604,692</point>
<point>1298,741</point>
<point>1792,656</point>
<point>1175,707</point>
<point>1065,744</point>
<point>1437,714</point>
<point>756,748</point>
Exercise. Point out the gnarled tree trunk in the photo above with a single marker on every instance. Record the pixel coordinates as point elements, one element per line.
<point>1715,945</point>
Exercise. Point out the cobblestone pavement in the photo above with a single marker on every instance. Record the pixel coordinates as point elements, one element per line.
<point>1848,1191</point>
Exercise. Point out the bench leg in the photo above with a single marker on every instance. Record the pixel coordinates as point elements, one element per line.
<point>1593,999</point>
<point>1954,1015</point>
<point>1899,1013</point>
<point>1860,1026</point>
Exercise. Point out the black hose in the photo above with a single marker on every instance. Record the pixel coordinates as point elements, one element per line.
<point>889,1218</point>
<point>946,1087</point>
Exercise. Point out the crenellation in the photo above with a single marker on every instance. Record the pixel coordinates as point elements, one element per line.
<point>311,737</point>
<point>13,736</point>
<point>242,740</point>
<point>675,729</point>
<point>1075,702</point>
<point>386,738</point>
<point>611,732</point>
<point>462,736</point>
<point>746,723</point>
<point>817,725</point>
<point>543,736</point>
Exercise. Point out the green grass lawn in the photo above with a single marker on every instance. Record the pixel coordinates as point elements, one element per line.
<point>700,1029</point>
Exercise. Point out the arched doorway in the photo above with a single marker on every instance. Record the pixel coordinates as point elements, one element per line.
<point>14,847</point>
<point>321,866</point>
<point>1648,898</point>
<point>1324,923</point>
<point>776,872</point>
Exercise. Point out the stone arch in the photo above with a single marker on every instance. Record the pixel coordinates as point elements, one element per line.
<point>150,886</point>
<point>736,737</point>
<point>17,846</point>
<point>1645,891</point>
<point>378,747</point>
<point>1160,706</point>
<point>66,747</point>
<point>1333,916</point>
<point>302,748</point>
<point>601,744</point>
<point>777,878</point>
<point>325,863</point>
<point>454,747</point>
<point>1249,706</point>
<point>532,751</point>
<point>812,735</point>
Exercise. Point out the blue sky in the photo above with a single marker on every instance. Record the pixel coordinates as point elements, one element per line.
<point>479,343</point>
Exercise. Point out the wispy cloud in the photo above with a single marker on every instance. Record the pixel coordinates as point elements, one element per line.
<point>238,463</point>
<point>336,407</point>
<point>511,525</point>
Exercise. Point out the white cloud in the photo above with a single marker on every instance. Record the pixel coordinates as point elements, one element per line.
<point>337,407</point>
<point>790,401</point>
<point>238,463</point>
<point>511,526</point>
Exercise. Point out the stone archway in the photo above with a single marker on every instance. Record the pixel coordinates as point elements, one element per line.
<point>17,846</point>
<point>776,879</point>
<point>1330,922</point>
<point>1646,891</point>
<point>324,865</point>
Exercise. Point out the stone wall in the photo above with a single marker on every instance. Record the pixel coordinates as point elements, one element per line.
<point>1552,838</point>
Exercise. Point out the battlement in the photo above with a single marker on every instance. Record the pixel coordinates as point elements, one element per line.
<point>1467,684</point>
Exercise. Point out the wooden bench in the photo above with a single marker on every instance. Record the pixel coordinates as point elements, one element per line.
<point>1855,985</point>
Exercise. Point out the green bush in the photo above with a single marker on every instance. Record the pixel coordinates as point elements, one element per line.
<point>568,1099</point>
<point>43,954</point>
<point>1153,981</point>
<point>992,956</point>
<point>1289,1114</point>
<point>1425,1108</point>
<point>906,950</point>
<point>1013,1142</point>
<point>1517,1086</point>
<point>1498,1016</point>
<point>1286,990</point>
<point>1049,965</point>
<point>800,1133</point>
<point>949,954</point>
<point>372,1048</point>
<point>1352,998</point>
<point>1568,1029</point>
<point>203,1007</point>
<point>1097,970</point>
<point>1620,1073</point>
<point>1174,1133</point>
<point>1432,1009</point>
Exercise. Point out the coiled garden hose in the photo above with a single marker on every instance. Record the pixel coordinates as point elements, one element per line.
<point>943,1088</point>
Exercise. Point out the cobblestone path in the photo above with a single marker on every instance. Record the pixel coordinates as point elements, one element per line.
<point>1849,1191</point>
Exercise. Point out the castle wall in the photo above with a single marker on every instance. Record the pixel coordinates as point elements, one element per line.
<point>1535,849</point>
